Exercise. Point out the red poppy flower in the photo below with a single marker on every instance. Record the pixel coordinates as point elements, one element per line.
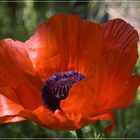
<point>70,73</point>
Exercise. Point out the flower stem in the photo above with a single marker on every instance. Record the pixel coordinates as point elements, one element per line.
<point>79,134</point>
<point>120,117</point>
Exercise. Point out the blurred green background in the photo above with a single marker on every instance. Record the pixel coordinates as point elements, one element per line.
<point>18,21</point>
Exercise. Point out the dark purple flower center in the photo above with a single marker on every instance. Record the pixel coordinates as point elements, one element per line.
<point>57,88</point>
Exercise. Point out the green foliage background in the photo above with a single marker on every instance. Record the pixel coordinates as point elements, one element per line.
<point>18,21</point>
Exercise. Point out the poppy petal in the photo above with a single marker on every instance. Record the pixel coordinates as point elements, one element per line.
<point>87,96</point>
<point>65,121</point>
<point>9,119</point>
<point>120,34</point>
<point>80,98</point>
<point>108,77</point>
<point>120,44</point>
<point>14,85</point>
<point>106,116</point>
<point>42,117</point>
<point>8,107</point>
<point>17,51</point>
<point>49,120</point>
<point>125,96</point>
<point>62,43</point>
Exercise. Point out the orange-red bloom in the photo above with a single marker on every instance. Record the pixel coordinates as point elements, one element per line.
<point>104,54</point>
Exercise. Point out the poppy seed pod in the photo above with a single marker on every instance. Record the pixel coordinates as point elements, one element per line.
<point>70,73</point>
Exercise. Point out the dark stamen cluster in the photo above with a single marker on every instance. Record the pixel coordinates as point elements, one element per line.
<point>57,88</point>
